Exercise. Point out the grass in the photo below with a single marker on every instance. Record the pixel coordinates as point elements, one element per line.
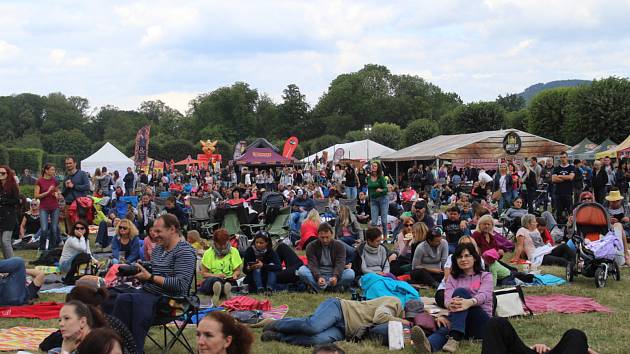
<point>607,333</point>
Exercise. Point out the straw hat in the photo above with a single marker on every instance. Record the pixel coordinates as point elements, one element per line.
<point>614,196</point>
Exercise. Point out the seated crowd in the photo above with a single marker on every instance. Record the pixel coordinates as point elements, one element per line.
<point>340,225</point>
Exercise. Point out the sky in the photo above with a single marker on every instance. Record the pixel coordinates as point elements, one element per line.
<point>124,52</point>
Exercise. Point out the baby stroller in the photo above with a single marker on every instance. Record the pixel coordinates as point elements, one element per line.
<point>591,221</point>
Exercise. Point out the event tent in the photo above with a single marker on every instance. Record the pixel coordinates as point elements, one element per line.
<point>481,145</point>
<point>607,144</point>
<point>613,152</point>
<point>362,150</point>
<point>262,152</point>
<point>584,150</point>
<point>187,161</point>
<point>107,156</point>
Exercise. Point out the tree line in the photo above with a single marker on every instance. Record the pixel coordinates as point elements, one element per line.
<point>402,110</point>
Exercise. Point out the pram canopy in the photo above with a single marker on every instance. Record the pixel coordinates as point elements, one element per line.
<point>590,221</point>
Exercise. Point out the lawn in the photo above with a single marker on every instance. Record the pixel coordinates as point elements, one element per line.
<point>606,332</point>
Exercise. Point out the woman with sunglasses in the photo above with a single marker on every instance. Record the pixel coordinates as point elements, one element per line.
<point>76,250</point>
<point>125,245</point>
<point>9,201</point>
<point>261,265</point>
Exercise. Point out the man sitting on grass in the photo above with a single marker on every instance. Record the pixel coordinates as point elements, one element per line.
<point>326,267</point>
<point>13,288</point>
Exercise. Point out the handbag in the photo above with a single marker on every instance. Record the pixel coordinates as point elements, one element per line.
<point>509,302</point>
<point>496,195</point>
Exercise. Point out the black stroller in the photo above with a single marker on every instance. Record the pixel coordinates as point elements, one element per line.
<point>590,221</point>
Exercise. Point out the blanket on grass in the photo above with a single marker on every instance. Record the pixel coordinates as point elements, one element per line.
<point>23,338</point>
<point>563,304</point>
<point>276,313</point>
<point>43,311</point>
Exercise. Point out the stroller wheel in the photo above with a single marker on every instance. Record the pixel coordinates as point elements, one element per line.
<point>601,273</point>
<point>617,271</point>
<point>570,272</point>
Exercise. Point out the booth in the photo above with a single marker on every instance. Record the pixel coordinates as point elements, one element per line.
<point>107,156</point>
<point>362,150</point>
<point>584,150</point>
<point>262,152</point>
<point>614,152</point>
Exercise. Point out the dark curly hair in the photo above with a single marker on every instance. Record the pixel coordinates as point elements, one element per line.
<point>456,271</point>
<point>242,338</point>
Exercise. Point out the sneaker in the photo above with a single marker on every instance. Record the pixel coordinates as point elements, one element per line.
<point>227,291</point>
<point>268,336</point>
<point>270,324</point>
<point>216,293</point>
<point>450,346</point>
<point>420,340</point>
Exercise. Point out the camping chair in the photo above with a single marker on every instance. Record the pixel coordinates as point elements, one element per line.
<point>200,215</point>
<point>280,226</point>
<point>173,315</point>
<point>164,195</point>
<point>160,203</point>
<point>231,223</point>
<point>350,203</point>
<point>321,205</point>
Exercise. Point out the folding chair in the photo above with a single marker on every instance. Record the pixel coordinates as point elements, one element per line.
<point>200,216</point>
<point>231,223</point>
<point>350,203</point>
<point>280,226</point>
<point>188,308</point>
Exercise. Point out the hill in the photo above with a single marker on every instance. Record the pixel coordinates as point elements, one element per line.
<point>533,90</point>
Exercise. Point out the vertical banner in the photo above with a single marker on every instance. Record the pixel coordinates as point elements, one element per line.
<point>141,151</point>
<point>239,149</point>
<point>289,147</point>
<point>338,155</point>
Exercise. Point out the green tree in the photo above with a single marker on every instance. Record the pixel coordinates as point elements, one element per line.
<point>511,102</point>
<point>70,142</point>
<point>517,119</point>
<point>355,135</point>
<point>321,143</point>
<point>479,116</point>
<point>548,113</point>
<point>388,134</point>
<point>599,110</point>
<point>293,112</point>
<point>61,114</point>
<point>420,130</point>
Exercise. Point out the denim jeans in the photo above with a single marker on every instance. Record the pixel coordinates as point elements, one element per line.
<point>48,239</point>
<point>295,221</point>
<point>379,207</point>
<point>12,287</point>
<point>259,275</point>
<point>350,251</point>
<point>471,323</point>
<point>325,325</point>
<point>347,277</point>
<point>505,201</point>
<point>351,192</point>
<point>102,237</point>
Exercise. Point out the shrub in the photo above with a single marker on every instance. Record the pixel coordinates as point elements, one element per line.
<point>20,159</point>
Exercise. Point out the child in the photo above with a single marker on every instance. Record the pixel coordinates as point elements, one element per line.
<point>467,213</point>
<point>194,238</point>
<point>500,274</point>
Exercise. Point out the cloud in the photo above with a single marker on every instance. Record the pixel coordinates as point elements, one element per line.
<point>8,50</point>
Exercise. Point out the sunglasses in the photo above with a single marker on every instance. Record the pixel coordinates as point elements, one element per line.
<point>79,228</point>
<point>123,227</point>
<point>408,224</point>
<point>3,173</point>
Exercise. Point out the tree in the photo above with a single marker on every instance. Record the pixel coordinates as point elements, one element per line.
<point>293,111</point>
<point>479,116</point>
<point>388,134</point>
<point>61,114</point>
<point>547,113</point>
<point>321,143</point>
<point>599,110</point>
<point>511,102</point>
<point>420,130</point>
<point>517,119</point>
<point>355,135</point>
<point>69,142</point>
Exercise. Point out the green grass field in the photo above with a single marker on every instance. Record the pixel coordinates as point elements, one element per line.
<point>606,332</point>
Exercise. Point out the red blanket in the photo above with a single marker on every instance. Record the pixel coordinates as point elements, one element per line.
<point>42,311</point>
<point>241,303</point>
<point>564,304</point>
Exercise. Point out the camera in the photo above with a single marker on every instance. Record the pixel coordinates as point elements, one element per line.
<point>127,270</point>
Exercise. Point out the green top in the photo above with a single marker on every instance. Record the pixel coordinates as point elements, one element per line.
<point>373,185</point>
<point>498,272</point>
<point>225,265</point>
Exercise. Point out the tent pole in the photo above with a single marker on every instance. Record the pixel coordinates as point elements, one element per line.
<point>396,171</point>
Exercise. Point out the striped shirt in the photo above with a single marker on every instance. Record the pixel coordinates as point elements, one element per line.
<point>177,266</point>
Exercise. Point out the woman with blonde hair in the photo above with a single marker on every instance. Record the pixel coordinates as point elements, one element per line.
<point>308,230</point>
<point>411,235</point>
<point>484,235</point>
<point>125,245</point>
<point>347,227</point>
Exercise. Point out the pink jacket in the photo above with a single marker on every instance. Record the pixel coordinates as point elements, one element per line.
<point>480,287</point>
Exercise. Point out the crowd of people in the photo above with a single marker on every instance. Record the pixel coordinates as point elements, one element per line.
<point>433,227</point>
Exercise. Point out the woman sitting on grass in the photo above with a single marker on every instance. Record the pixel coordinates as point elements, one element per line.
<point>468,298</point>
<point>347,228</point>
<point>531,247</point>
<point>372,256</point>
<point>220,267</point>
<point>76,320</point>
<point>126,244</point>
<point>262,265</point>
<point>308,230</point>
<point>427,266</point>
<point>76,251</point>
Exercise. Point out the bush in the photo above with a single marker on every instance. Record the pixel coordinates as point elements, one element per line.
<point>28,191</point>
<point>4,155</point>
<point>56,159</point>
<point>20,159</point>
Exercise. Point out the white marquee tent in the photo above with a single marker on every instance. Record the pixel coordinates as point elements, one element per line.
<point>107,156</point>
<point>357,150</point>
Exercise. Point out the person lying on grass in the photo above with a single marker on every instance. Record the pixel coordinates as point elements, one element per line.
<point>13,288</point>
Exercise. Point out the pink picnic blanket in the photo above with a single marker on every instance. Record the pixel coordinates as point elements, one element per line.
<point>563,304</point>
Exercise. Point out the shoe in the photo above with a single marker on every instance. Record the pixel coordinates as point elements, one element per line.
<point>268,336</point>
<point>269,325</point>
<point>227,291</point>
<point>450,346</point>
<point>216,293</point>
<point>420,340</point>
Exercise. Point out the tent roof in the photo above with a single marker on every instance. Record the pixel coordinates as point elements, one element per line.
<point>262,156</point>
<point>613,152</point>
<point>262,143</point>
<point>481,145</point>
<point>605,145</point>
<point>583,146</point>
<point>356,150</point>
<point>107,153</point>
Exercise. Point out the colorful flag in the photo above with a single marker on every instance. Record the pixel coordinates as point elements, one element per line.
<point>141,153</point>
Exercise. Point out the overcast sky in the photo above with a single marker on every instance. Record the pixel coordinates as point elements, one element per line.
<point>124,52</point>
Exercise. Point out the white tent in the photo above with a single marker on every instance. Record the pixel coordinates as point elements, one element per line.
<point>107,156</point>
<point>357,150</point>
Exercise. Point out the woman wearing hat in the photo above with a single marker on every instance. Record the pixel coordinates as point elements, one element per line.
<point>617,209</point>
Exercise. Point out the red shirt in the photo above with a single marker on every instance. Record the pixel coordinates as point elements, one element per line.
<point>483,244</point>
<point>49,202</point>
<point>307,230</point>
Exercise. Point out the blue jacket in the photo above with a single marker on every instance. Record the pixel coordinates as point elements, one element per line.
<point>307,203</point>
<point>134,249</point>
<point>375,286</point>
<point>81,186</point>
